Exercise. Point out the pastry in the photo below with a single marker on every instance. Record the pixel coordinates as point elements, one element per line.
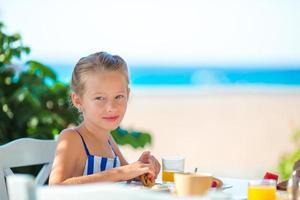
<point>146,181</point>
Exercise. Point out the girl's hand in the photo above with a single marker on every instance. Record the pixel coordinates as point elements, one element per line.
<point>137,169</point>
<point>156,164</point>
<point>146,157</point>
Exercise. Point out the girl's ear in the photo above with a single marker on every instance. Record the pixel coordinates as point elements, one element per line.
<point>76,100</point>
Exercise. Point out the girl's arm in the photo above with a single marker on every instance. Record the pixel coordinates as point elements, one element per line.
<point>122,173</point>
<point>69,164</point>
<point>69,157</point>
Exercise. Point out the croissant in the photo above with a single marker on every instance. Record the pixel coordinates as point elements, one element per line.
<point>146,181</point>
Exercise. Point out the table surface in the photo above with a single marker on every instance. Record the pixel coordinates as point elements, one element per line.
<point>238,189</point>
<point>235,189</point>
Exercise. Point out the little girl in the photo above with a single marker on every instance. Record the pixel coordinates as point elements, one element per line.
<point>88,153</point>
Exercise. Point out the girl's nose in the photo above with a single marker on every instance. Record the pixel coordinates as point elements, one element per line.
<point>110,106</point>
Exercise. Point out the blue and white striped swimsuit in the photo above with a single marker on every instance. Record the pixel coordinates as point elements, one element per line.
<point>96,164</point>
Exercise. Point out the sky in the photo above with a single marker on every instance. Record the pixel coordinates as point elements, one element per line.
<point>160,32</point>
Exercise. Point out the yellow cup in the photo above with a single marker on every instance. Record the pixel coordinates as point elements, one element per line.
<point>171,165</point>
<point>262,190</point>
<point>191,184</point>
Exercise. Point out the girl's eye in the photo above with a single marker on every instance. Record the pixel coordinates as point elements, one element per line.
<point>120,97</point>
<point>100,98</point>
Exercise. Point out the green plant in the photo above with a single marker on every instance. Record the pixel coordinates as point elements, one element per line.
<point>135,138</point>
<point>34,103</point>
<point>287,161</point>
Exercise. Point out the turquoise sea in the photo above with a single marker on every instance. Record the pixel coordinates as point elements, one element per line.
<point>201,75</point>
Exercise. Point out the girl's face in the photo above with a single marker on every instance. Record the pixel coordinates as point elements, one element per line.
<point>104,100</point>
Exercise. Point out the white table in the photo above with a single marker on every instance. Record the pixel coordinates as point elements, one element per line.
<point>117,191</point>
<point>238,189</point>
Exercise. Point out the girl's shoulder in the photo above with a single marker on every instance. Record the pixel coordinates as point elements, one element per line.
<point>69,135</point>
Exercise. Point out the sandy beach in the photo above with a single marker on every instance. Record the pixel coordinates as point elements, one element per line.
<point>233,132</point>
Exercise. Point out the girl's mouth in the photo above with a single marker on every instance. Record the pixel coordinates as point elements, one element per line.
<point>110,118</point>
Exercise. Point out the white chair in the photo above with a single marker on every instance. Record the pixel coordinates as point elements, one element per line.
<point>21,187</point>
<point>25,152</point>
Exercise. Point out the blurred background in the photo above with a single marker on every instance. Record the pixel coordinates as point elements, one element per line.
<point>217,82</point>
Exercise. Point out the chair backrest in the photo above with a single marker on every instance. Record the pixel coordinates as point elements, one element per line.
<point>26,152</point>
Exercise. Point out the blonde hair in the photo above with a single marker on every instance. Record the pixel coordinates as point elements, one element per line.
<point>100,61</point>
